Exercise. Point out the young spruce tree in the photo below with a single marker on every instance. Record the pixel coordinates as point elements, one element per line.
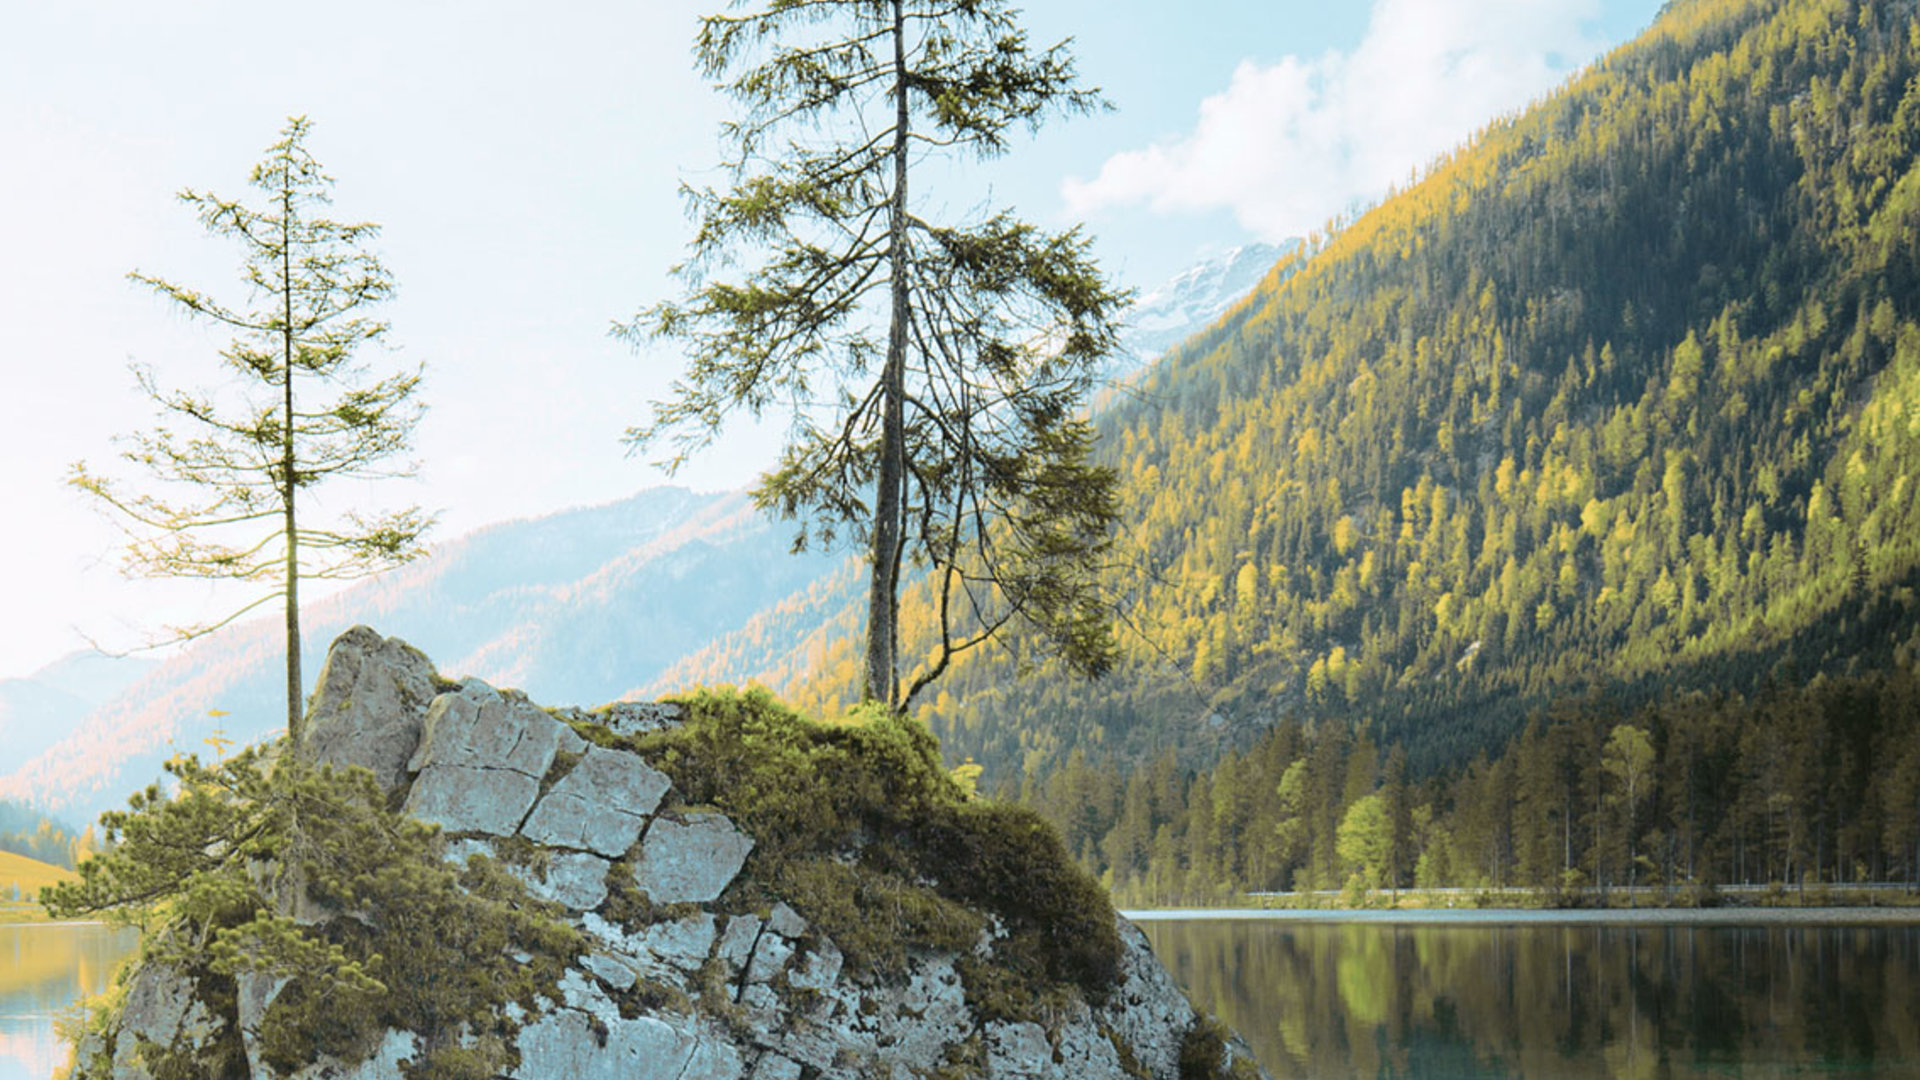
<point>233,473</point>
<point>937,370</point>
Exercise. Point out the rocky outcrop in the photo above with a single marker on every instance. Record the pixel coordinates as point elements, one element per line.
<point>369,703</point>
<point>688,974</point>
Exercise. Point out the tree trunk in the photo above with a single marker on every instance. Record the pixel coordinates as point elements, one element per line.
<point>883,604</point>
<point>287,475</point>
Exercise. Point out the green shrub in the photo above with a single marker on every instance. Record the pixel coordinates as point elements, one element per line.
<point>421,945</point>
<point>1203,1054</point>
<point>860,827</point>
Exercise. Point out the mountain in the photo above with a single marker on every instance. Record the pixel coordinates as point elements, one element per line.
<point>35,711</point>
<point>584,605</point>
<point>591,604</point>
<point>1619,401</point>
<point>1191,300</point>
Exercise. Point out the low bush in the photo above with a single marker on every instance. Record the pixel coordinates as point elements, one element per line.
<point>857,824</point>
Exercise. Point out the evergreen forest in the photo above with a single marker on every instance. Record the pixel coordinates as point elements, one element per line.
<point>1610,420</point>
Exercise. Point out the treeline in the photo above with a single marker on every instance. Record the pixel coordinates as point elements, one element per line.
<point>1812,785</point>
<point>25,832</point>
<point>1622,399</point>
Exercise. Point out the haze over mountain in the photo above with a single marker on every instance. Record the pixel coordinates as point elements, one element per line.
<point>580,606</point>
<point>576,607</point>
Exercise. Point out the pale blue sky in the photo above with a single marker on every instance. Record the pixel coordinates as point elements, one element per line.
<point>524,159</point>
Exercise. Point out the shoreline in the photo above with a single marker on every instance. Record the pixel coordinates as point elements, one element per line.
<point>1724,916</point>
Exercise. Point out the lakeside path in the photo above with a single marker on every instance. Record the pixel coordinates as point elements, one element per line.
<point>1733,916</point>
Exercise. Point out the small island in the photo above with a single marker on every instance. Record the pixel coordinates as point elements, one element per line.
<point>443,879</point>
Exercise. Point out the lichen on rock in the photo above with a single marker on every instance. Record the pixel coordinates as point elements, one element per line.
<point>708,889</point>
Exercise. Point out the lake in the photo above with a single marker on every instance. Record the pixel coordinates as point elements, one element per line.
<point>1431,994</point>
<point>44,969</point>
<point>1485,994</point>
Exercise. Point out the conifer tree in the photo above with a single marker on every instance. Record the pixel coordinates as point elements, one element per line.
<point>232,475</point>
<point>937,370</point>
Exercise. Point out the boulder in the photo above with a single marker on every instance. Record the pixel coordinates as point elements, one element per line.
<point>369,705</point>
<point>567,1044</point>
<point>600,806</point>
<point>162,1011</point>
<point>690,861</point>
<point>481,759</point>
<point>479,727</point>
<point>572,879</point>
<point>736,944</point>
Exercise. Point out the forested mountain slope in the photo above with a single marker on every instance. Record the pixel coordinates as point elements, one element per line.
<point>1622,398</point>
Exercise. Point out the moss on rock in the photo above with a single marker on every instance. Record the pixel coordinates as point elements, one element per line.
<point>860,827</point>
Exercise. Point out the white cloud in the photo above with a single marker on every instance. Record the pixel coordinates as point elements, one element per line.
<point>1288,146</point>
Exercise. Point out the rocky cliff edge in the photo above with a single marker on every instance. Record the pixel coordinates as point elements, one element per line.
<point>880,924</point>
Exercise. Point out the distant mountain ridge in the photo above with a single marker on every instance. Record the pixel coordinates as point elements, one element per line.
<point>581,605</point>
<point>1176,309</point>
<point>635,597</point>
<point>35,711</point>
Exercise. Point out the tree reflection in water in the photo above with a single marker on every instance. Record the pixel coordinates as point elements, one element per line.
<point>1392,1000</point>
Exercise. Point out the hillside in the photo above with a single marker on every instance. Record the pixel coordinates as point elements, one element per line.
<point>36,710</point>
<point>1622,399</point>
<point>22,878</point>
<point>586,604</point>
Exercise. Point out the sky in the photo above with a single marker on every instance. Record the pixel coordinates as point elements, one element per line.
<point>524,161</point>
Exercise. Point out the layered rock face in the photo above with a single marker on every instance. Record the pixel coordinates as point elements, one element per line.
<point>681,980</point>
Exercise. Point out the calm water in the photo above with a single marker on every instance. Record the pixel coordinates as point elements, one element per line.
<point>1470,998</point>
<point>43,971</point>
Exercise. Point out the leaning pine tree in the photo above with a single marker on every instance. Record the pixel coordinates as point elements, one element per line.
<point>232,475</point>
<point>936,370</point>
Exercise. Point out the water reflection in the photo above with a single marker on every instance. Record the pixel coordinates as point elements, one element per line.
<point>1378,1000</point>
<point>43,971</point>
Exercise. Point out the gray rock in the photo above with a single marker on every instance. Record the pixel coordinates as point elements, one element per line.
<point>481,760</point>
<point>772,1066</point>
<point>573,879</point>
<point>480,757</point>
<point>769,958</point>
<point>384,1064</point>
<point>459,851</point>
<point>564,1046</point>
<point>820,970</point>
<point>612,970</point>
<point>917,1022</point>
<point>1018,1051</point>
<point>369,705</point>
<point>254,994</point>
<point>785,921</point>
<point>682,943</point>
<point>1082,1049</point>
<point>600,806</point>
<point>1148,1011</point>
<point>690,862</point>
<point>579,992</point>
<point>478,726</point>
<point>162,1010</point>
<point>630,717</point>
<point>736,945</point>
<point>464,798</point>
<point>641,717</point>
<point>714,1057</point>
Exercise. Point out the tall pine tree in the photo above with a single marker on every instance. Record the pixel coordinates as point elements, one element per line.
<point>937,370</point>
